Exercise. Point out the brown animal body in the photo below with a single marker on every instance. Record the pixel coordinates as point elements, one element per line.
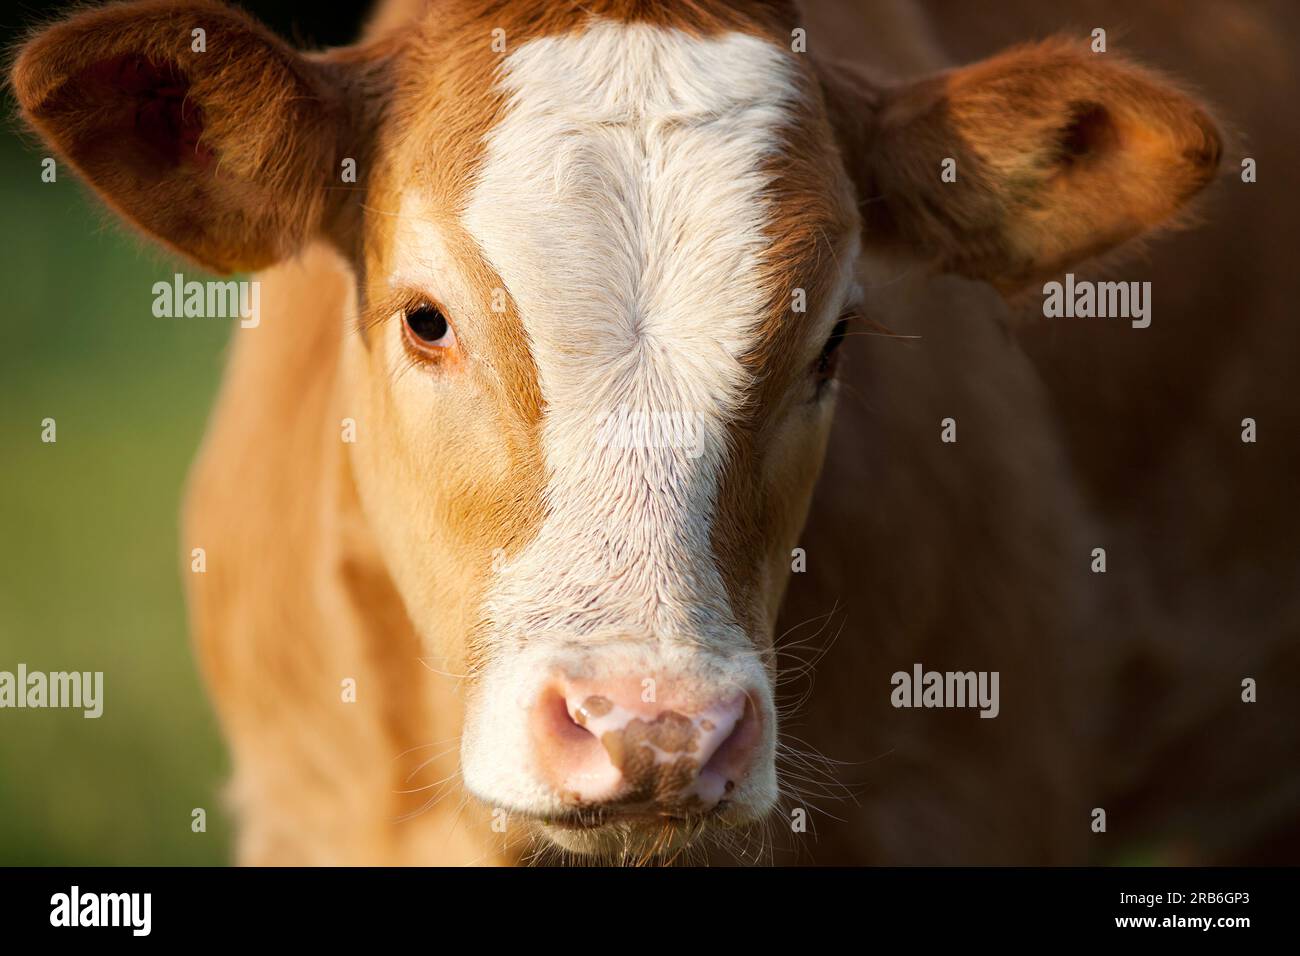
<point>1148,657</point>
<point>392,564</point>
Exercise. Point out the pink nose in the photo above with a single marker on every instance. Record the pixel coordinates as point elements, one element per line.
<point>601,744</point>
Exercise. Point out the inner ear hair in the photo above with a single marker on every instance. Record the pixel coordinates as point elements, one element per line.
<point>1089,132</point>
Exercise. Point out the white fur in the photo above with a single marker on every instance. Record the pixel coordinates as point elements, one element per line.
<point>620,202</point>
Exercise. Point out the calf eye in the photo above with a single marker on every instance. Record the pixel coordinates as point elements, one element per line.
<point>824,368</point>
<point>428,329</point>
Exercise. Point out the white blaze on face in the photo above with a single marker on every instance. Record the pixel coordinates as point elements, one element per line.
<point>621,201</point>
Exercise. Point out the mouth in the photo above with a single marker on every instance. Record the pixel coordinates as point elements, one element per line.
<point>599,819</point>
<point>634,835</point>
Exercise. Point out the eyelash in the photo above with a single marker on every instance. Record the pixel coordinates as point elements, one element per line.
<point>824,366</point>
<point>825,360</point>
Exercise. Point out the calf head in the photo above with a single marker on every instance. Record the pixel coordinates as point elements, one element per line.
<point>604,261</point>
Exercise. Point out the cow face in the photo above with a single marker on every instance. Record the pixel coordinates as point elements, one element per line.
<point>633,272</point>
<point>602,275</point>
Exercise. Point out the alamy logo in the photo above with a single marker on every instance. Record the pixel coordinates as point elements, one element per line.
<point>75,908</point>
<point>75,689</point>
<point>1102,300</point>
<point>629,428</point>
<point>922,688</point>
<point>209,300</point>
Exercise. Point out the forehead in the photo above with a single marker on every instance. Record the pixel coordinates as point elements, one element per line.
<point>688,166</point>
<point>622,197</point>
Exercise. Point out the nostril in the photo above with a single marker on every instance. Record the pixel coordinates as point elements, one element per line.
<point>570,755</point>
<point>731,761</point>
<point>563,726</point>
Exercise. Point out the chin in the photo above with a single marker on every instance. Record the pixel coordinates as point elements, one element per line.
<point>651,838</point>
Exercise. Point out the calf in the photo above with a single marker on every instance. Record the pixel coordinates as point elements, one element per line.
<point>502,495</point>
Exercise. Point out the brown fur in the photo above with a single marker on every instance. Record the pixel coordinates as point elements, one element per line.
<point>246,186</point>
<point>1039,134</point>
<point>1152,425</point>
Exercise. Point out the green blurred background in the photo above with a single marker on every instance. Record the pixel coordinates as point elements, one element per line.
<point>90,568</point>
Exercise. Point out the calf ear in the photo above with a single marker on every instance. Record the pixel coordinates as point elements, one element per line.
<point>1058,153</point>
<point>222,144</point>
